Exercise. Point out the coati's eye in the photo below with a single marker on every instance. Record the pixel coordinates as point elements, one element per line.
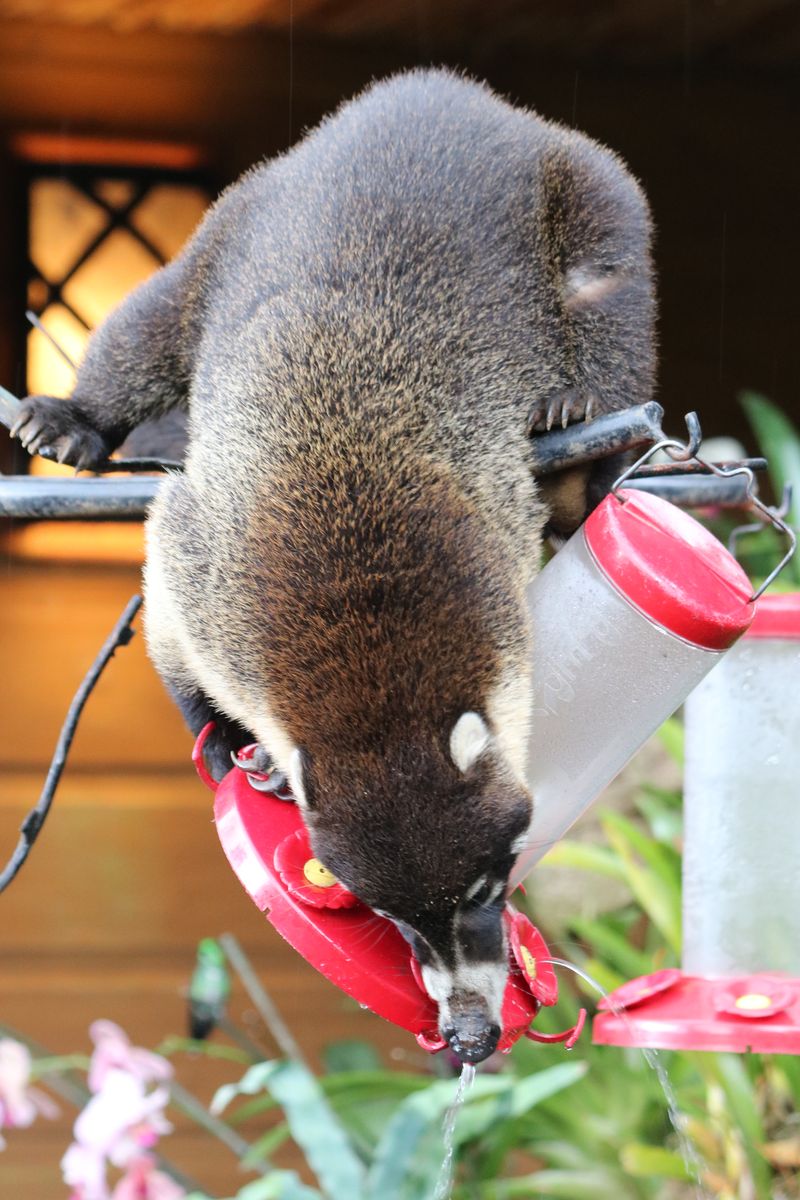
<point>484,891</point>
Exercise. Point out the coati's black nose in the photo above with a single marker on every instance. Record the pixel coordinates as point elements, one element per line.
<point>471,1039</point>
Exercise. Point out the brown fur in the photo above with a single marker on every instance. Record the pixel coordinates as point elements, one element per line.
<point>364,333</point>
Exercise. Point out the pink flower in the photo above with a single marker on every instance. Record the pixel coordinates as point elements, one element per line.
<point>19,1103</point>
<point>143,1182</point>
<point>120,1121</point>
<point>113,1050</point>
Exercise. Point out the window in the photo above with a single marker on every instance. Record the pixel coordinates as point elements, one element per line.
<point>102,215</point>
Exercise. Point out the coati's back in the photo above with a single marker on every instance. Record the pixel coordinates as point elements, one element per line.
<point>365,332</point>
<point>433,265</point>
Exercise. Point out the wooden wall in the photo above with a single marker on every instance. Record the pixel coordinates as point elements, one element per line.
<point>714,148</point>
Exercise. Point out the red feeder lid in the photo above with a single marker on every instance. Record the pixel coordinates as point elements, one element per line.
<point>669,567</point>
<point>777,616</point>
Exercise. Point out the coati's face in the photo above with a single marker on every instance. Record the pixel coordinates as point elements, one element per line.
<point>427,837</point>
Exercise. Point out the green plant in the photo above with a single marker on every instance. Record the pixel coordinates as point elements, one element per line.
<point>740,1112</point>
<point>778,439</point>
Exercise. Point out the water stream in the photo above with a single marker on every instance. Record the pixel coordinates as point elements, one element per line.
<point>445,1179</point>
<point>653,1059</point>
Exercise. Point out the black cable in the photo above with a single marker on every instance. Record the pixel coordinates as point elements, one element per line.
<point>31,827</point>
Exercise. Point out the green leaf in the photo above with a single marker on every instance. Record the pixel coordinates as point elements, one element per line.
<point>351,1055</point>
<point>584,856</point>
<point>671,736</point>
<point>779,441</point>
<point>664,818</point>
<point>740,1094</point>
<point>613,946</point>
<point>657,885</point>
<point>313,1123</point>
<point>278,1185</point>
<point>605,978</point>
<point>664,860</point>
<point>399,1148</point>
<point>254,1080</point>
<point>480,1117</point>
<point>591,1184</point>
<point>265,1146</point>
<point>184,1045</point>
<point>647,1161</point>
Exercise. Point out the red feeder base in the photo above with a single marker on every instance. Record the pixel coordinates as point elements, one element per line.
<point>672,1011</point>
<point>266,843</point>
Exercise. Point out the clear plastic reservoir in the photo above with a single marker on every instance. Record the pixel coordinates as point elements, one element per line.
<point>741,868</point>
<point>605,676</point>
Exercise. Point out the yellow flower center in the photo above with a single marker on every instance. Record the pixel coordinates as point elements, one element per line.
<point>319,875</point>
<point>528,962</point>
<point>753,1001</point>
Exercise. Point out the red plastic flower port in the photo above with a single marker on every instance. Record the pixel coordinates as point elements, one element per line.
<point>305,876</point>
<point>755,997</point>
<point>531,954</point>
<point>639,990</point>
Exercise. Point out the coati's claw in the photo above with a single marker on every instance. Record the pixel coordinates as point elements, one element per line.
<point>58,429</point>
<point>259,761</point>
<point>565,408</point>
<point>553,409</point>
<point>262,774</point>
<point>276,782</point>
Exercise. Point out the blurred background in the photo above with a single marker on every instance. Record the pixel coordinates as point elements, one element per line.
<point>120,120</point>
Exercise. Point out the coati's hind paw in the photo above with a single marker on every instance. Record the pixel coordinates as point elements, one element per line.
<point>564,408</point>
<point>58,429</point>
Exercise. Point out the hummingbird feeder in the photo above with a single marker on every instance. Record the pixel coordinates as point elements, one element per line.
<point>739,988</point>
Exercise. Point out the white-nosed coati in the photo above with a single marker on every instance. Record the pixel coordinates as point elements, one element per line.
<point>363,332</point>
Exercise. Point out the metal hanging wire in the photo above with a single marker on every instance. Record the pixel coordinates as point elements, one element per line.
<point>685,452</point>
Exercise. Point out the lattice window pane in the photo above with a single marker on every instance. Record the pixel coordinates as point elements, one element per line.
<point>96,232</point>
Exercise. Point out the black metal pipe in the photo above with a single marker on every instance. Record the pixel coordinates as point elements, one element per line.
<point>696,491</point>
<point>612,433</point>
<point>50,498</point>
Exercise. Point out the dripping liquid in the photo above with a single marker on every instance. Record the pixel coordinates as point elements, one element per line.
<point>445,1179</point>
<point>653,1059</point>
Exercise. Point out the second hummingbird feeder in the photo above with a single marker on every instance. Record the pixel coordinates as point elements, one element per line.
<point>739,987</point>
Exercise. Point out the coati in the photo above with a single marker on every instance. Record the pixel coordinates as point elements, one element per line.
<point>364,332</point>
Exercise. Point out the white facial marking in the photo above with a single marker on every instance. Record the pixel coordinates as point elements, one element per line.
<point>469,738</point>
<point>295,773</point>
<point>509,708</point>
<point>476,887</point>
<point>519,843</point>
<point>486,979</point>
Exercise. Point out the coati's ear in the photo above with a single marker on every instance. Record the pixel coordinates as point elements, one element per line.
<point>589,285</point>
<point>469,738</point>
<point>598,227</point>
<point>297,778</point>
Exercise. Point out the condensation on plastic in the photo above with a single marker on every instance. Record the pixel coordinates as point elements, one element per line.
<point>741,882</point>
<point>604,678</point>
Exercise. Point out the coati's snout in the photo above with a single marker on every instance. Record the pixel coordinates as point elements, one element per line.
<point>472,1035</point>
<point>426,836</point>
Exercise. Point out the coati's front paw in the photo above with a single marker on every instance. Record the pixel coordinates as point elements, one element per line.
<point>262,773</point>
<point>257,760</point>
<point>58,429</point>
<point>564,408</point>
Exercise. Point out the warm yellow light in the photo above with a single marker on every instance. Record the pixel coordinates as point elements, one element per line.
<point>64,223</point>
